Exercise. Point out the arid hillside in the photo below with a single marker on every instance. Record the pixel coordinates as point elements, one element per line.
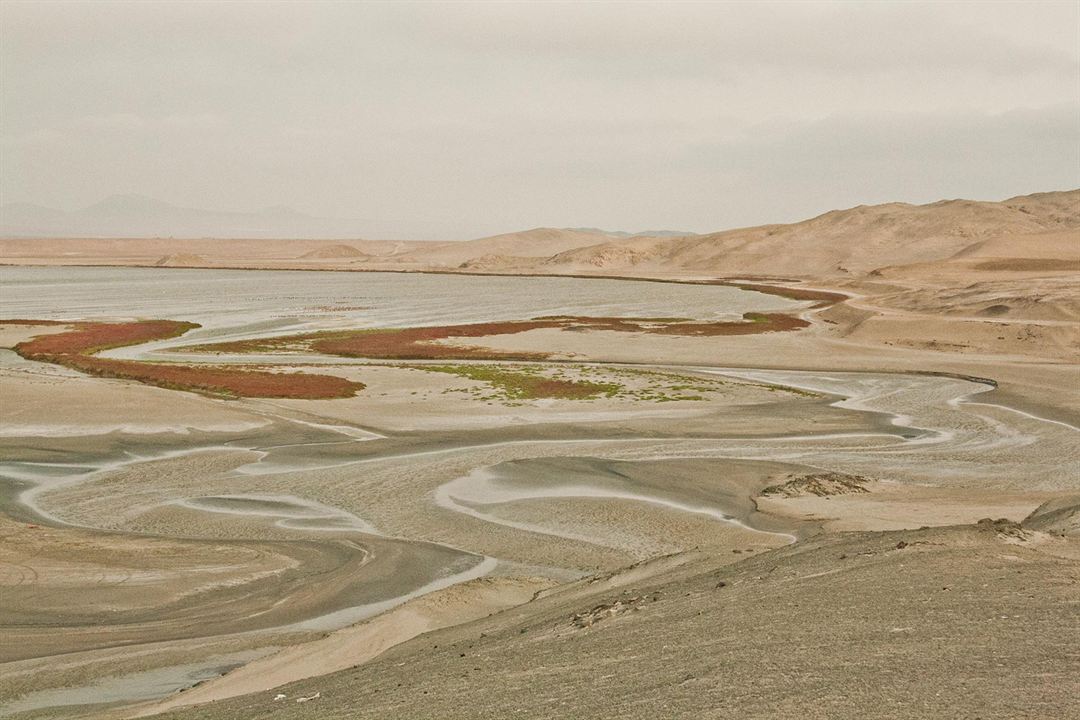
<point>1031,233</point>
<point>216,252</point>
<point>536,244</point>
<point>850,242</point>
<point>694,636</point>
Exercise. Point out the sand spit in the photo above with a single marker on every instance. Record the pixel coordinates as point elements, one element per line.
<point>78,349</point>
<point>287,511</point>
<point>146,684</point>
<point>480,492</point>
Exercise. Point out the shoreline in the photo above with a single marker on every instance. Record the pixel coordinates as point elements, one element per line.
<point>760,283</point>
<point>945,394</point>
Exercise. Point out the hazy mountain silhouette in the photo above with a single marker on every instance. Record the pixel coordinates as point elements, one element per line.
<point>141,216</point>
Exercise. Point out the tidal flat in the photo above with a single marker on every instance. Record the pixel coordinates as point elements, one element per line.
<point>151,533</point>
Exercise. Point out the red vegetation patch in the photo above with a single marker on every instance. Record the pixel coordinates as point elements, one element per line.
<point>822,298</point>
<point>75,348</point>
<point>420,343</point>
<point>220,380</point>
<point>752,324</point>
<point>89,338</point>
<point>755,323</point>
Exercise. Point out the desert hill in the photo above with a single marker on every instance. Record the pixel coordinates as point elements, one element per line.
<point>849,242</point>
<point>1031,233</point>
<point>841,243</point>
<point>335,252</point>
<point>181,260</point>
<point>608,254</point>
<point>221,252</point>
<point>497,263</point>
<point>539,243</point>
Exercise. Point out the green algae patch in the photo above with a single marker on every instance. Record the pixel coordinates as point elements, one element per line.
<point>528,384</point>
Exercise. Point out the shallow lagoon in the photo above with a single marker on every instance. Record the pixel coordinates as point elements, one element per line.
<point>236,303</point>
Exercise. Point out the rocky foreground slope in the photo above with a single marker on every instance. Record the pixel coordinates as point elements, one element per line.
<point>962,622</point>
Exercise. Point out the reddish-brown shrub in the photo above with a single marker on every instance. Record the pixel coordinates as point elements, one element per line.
<point>75,349</point>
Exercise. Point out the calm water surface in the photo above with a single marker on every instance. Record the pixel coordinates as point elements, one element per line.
<point>237,303</point>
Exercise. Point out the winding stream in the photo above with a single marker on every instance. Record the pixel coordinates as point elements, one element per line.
<point>933,426</point>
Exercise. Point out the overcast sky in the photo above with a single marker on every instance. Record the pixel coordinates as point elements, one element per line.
<point>456,120</point>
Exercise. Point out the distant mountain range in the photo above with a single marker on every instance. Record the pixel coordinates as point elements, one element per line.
<point>139,216</point>
<point>643,233</point>
<point>1037,232</point>
<point>122,216</point>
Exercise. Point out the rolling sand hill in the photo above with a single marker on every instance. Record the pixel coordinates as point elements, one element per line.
<point>1032,233</point>
<point>539,243</point>
<point>181,260</point>
<point>498,263</point>
<point>608,255</point>
<point>335,252</point>
<point>842,243</point>
<point>220,252</point>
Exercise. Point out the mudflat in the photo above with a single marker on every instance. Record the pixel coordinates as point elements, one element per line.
<point>605,503</point>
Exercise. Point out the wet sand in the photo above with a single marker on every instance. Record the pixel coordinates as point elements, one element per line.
<point>302,517</point>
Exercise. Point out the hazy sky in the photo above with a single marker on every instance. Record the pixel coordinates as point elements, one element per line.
<point>459,120</point>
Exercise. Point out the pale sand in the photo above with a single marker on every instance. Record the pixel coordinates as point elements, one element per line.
<point>360,643</point>
<point>12,335</point>
<point>49,404</point>
<point>893,506</point>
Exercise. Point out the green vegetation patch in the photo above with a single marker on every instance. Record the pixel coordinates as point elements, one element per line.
<point>529,383</point>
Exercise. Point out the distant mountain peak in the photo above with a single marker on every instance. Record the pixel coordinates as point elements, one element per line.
<point>642,233</point>
<point>130,202</point>
<point>135,215</point>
